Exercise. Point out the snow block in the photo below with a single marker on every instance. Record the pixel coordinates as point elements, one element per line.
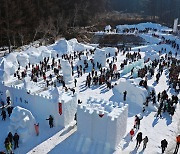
<point>67,71</point>
<point>102,122</point>
<point>100,57</point>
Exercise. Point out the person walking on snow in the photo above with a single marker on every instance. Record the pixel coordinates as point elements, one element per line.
<point>16,140</point>
<point>8,146</point>
<point>75,82</point>
<point>50,121</point>
<point>177,144</point>
<point>137,122</point>
<point>145,141</point>
<point>164,144</point>
<point>124,93</point>
<point>139,139</point>
<point>131,133</point>
<point>3,114</point>
<point>10,136</point>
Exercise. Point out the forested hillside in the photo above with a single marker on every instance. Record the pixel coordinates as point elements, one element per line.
<point>165,10</point>
<point>23,21</point>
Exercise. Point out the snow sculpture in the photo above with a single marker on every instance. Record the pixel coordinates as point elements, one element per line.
<point>62,47</point>
<point>67,71</point>
<point>100,57</point>
<point>76,46</point>
<point>102,121</point>
<point>23,59</point>
<point>128,67</point>
<point>6,69</point>
<point>110,50</point>
<point>34,58</point>
<point>22,121</point>
<point>67,107</point>
<point>107,28</point>
<point>135,93</point>
<point>12,58</point>
<point>45,53</point>
<point>27,83</point>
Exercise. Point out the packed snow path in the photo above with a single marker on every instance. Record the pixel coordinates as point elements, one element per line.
<point>53,141</point>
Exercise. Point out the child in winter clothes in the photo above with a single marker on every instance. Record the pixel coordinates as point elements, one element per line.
<point>131,133</point>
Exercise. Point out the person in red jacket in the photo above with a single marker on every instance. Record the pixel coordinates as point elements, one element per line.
<point>131,133</point>
<point>177,144</point>
<point>36,126</point>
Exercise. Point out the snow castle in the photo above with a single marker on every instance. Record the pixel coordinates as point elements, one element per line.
<point>102,121</point>
<point>58,103</point>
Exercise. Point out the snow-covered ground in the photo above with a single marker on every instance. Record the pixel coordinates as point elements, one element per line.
<point>68,141</point>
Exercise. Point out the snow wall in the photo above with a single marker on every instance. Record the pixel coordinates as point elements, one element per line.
<point>110,50</point>
<point>67,71</point>
<point>62,47</point>
<point>100,57</point>
<point>22,122</point>
<point>135,93</point>
<point>104,125</point>
<point>41,105</point>
<point>135,66</point>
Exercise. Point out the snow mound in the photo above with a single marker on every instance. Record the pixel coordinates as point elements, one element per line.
<point>22,121</point>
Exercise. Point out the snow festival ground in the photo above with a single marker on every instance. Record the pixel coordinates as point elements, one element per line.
<point>68,141</point>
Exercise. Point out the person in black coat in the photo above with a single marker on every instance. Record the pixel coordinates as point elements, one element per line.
<point>10,136</point>
<point>124,95</point>
<point>9,110</point>
<point>50,121</point>
<point>139,139</point>
<point>3,114</point>
<point>16,140</point>
<point>137,122</point>
<point>164,144</point>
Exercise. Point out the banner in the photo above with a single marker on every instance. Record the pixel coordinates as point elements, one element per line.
<point>60,108</point>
